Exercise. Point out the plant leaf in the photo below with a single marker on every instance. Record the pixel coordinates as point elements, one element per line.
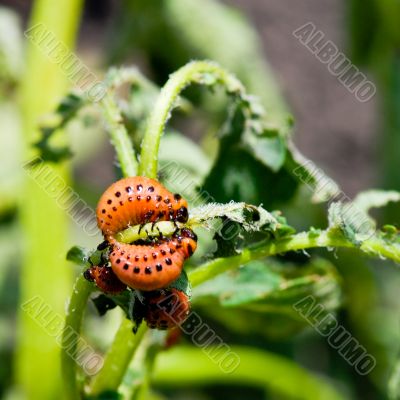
<point>375,199</point>
<point>352,218</point>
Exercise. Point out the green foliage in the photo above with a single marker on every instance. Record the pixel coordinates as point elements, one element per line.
<point>260,286</point>
<point>253,163</point>
<point>251,266</point>
<point>64,113</point>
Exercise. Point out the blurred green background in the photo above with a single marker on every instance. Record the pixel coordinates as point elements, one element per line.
<point>356,143</point>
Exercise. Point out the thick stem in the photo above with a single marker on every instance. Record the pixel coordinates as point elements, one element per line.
<point>375,246</point>
<point>200,72</point>
<point>44,223</point>
<point>119,137</point>
<point>118,358</point>
<point>73,322</point>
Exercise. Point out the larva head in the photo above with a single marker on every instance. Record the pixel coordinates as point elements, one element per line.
<point>105,279</point>
<point>182,214</point>
<point>189,241</point>
<point>166,309</point>
<point>180,209</point>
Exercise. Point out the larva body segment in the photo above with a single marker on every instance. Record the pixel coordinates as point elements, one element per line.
<point>152,266</point>
<point>137,200</point>
<point>105,279</point>
<point>167,309</point>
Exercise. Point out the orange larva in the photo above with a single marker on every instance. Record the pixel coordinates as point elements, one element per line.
<point>166,309</point>
<point>138,200</point>
<point>135,201</point>
<point>105,279</point>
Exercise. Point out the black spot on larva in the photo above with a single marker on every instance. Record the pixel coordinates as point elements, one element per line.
<point>113,254</point>
<point>168,261</point>
<point>139,198</point>
<point>148,198</point>
<point>166,201</point>
<point>190,249</point>
<point>136,270</point>
<point>145,257</point>
<point>126,266</point>
<point>114,208</point>
<point>122,253</point>
<point>171,251</point>
<point>139,188</point>
<point>150,189</point>
<point>159,267</point>
<point>128,257</point>
<point>103,211</point>
<point>117,194</point>
<point>158,198</point>
<point>161,214</point>
<point>118,261</point>
<point>121,203</point>
<point>163,252</point>
<point>109,201</point>
<point>130,198</point>
<point>128,189</point>
<point>109,216</point>
<point>136,258</point>
<point>177,197</point>
<point>147,270</point>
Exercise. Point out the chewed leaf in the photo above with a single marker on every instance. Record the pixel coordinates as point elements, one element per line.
<point>268,150</point>
<point>375,198</point>
<point>251,218</point>
<point>353,222</point>
<point>352,217</point>
<point>321,185</point>
<point>264,287</point>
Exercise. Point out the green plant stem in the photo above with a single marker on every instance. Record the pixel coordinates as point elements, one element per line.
<point>189,367</point>
<point>200,72</point>
<point>137,232</point>
<point>300,241</point>
<point>44,223</point>
<point>118,358</point>
<point>73,322</point>
<point>81,292</point>
<point>119,137</point>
